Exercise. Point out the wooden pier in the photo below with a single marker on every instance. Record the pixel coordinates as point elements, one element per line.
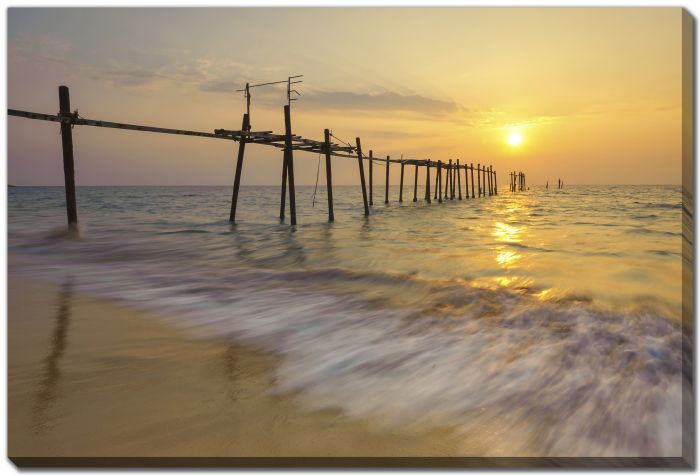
<point>517,182</point>
<point>289,143</point>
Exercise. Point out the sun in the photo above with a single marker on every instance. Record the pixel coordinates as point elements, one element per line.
<point>515,139</point>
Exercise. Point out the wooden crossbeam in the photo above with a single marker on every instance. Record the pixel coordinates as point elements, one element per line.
<point>111,125</point>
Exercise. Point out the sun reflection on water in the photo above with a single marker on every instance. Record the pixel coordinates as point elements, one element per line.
<point>506,257</point>
<point>506,233</point>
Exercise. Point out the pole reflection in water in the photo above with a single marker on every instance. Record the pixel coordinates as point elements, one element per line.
<point>51,375</point>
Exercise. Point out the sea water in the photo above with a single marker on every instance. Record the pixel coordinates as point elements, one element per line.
<point>551,317</point>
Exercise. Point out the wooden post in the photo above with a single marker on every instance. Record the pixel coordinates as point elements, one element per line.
<point>478,177</point>
<point>362,175</point>
<point>486,184</point>
<point>466,181</point>
<point>283,197</point>
<point>495,183</point>
<point>490,181</point>
<point>437,172</point>
<point>329,178</point>
<point>290,164</point>
<point>455,173</point>
<point>68,162</point>
<point>447,179</point>
<point>401,184</point>
<point>427,182</point>
<point>415,185</point>
<point>439,175</point>
<point>459,180</point>
<point>386,186</point>
<point>472,174</point>
<point>239,168</point>
<point>371,182</point>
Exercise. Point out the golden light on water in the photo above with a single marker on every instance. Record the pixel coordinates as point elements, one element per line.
<point>506,258</point>
<point>506,233</point>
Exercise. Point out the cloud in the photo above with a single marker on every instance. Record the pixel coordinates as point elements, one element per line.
<point>380,102</point>
<point>154,69</point>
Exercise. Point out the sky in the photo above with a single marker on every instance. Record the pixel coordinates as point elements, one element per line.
<point>594,94</point>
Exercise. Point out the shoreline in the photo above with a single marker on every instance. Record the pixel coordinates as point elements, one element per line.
<point>90,378</point>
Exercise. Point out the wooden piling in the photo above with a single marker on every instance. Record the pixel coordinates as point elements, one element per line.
<point>439,175</point>
<point>495,183</point>
<point>452,181</point>
<point>466,181</point>
<point>362,175</point>
<point>478,177</point>
<point>472,175</point>
<point>329,178</point>
<point>447,179</point>
<point>485,176</point>
<point>415,185</point>
<point>371,182</point>
<point>290,164</point>
<point>239,168</point>
<point>283,197</point>
<point>490,175</point>
<point>427,182</point>
<point>459,180</point>
<point>68,161</point>
<point>401,184</point>
<point>437,172</point>
<point>386,186</point>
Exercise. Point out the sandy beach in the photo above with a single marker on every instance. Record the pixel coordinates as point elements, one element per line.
<point>89,378</point>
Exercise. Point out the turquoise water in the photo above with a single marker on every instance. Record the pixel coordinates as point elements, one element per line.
<point>555,313</point>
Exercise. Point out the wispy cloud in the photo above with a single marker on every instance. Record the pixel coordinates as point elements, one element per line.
<point>170,68</point>
<point>380,101</point>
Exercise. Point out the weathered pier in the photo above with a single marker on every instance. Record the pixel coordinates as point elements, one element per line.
<point>486,176</point>
<point>517,181</point>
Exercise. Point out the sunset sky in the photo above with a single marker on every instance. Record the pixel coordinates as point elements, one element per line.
<point>594,93</point>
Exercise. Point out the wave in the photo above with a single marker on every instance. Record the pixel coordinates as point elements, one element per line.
<point>566,376</point>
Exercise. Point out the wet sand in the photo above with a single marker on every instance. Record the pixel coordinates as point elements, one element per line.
<point>90,378</point>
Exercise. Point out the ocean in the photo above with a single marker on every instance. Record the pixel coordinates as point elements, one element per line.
<point>549,319</point>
